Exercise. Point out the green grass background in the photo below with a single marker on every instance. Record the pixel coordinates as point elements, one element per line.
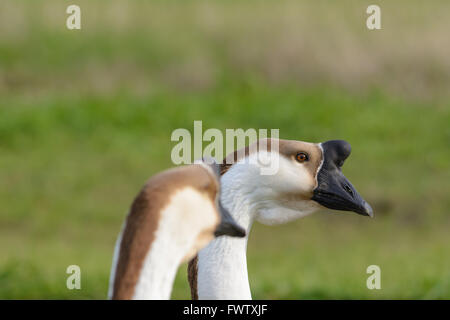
<point>86,117</point>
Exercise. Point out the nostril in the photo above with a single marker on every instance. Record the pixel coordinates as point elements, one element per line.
<point>349,190</point>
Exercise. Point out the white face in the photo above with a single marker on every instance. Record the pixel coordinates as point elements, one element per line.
<point>290,193</point>
<point>285,195</point>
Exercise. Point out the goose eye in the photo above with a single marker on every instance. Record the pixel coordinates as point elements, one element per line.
<point>301,157</point>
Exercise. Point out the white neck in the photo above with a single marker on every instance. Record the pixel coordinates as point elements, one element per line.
<point>178,237</point>
<point>158,272</point>
<point>175,242</point>
<point>222,265</point>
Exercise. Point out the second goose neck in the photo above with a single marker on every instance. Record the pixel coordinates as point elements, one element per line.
<point>222,265</point>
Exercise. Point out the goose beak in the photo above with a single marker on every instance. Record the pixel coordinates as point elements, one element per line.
<point>227,225</point>
<point>334,190</point>
<point>339,194</point>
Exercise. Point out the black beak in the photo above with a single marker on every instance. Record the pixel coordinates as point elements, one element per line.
<point>227,225</point>
<point>334,191</point>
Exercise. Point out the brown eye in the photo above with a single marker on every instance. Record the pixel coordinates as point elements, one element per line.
<point>301,157</point>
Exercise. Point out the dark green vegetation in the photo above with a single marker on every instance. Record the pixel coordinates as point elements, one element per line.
<point>86,117</point>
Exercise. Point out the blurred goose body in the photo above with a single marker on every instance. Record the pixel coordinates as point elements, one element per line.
<point>175,214</point>
<point>309,177</point>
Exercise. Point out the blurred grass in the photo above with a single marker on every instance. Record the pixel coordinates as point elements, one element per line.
<point>86,117</point>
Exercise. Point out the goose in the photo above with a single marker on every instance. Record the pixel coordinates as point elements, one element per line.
<point>309,177</point>
<point>176,213</point>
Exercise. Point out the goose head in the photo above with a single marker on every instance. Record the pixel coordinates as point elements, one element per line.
<point>309,177</point>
